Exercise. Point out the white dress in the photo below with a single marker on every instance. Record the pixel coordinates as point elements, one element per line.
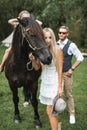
<point>49,84</point>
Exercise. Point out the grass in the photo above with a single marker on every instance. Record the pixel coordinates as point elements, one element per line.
<point>7,109</point>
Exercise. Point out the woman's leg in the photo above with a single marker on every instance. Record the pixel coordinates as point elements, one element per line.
<point>4,59</point>
<point>53,119</point>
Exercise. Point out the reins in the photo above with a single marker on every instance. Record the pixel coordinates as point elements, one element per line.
<point>29,69</point>
<point>26,36</point>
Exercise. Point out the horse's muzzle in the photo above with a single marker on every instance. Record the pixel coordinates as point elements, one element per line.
<point>47,59</point>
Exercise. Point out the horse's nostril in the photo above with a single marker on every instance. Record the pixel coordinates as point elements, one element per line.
<point>49,58</point>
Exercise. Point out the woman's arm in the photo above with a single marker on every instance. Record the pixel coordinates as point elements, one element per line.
<point>59,66</point>
<point>35,62</point>
<point>13,22</point>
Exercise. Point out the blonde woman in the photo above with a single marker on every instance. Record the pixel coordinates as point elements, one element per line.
<point>14,23</point>
<point>51,77</point>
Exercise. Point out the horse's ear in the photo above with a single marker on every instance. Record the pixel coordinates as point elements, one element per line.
<point>32,16</point>
<point>20,21</point>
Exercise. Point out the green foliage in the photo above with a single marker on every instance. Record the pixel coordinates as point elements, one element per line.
<point>52,13</point>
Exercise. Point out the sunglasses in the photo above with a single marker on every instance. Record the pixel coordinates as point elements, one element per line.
<point>62,33</point>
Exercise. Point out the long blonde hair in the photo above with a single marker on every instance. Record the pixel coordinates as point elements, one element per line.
<point>52,47</point>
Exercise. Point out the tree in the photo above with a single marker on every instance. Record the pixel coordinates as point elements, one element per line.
<point>52,13</point>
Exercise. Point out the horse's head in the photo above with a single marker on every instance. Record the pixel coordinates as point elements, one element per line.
<point>33,34</point>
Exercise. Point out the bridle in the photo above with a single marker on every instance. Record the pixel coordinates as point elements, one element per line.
<point>26,35</point>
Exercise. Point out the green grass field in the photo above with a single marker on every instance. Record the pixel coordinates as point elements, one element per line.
<point>7,109</point>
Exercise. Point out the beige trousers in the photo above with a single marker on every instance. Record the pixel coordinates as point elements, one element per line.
<point>67,82</point>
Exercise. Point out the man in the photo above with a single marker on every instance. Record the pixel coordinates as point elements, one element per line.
<point>69,49</point>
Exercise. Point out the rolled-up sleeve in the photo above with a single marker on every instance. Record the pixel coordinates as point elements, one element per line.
<point>73,49</point>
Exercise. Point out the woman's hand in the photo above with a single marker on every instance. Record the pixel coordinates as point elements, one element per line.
<point>60,90</point>
<point>35,62</point>
<point>31,57</point>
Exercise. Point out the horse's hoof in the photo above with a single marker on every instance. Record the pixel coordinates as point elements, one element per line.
<point>17,119</point>
<point>25,104</point>
<point>37,127</point>
<point>37,123</point>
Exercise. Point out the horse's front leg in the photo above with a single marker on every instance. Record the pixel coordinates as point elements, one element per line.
<point>17,118</point>
<point>27,95</point>
<point>34,102</point>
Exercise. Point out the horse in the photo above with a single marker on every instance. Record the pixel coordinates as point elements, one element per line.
<point>28,37</point>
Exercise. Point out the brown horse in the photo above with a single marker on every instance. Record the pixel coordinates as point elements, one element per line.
<point>28,37</point>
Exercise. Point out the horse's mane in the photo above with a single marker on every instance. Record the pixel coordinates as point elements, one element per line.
<point>17,39</point>
<point>36,28</point>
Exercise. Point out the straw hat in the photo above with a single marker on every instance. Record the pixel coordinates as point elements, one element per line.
<point>59,106</point>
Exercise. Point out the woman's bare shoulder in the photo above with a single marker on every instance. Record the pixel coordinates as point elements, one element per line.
<point>58,48</point>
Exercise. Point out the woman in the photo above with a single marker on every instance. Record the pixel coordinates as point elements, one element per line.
<point>51,77</point>
<point>14,23</point>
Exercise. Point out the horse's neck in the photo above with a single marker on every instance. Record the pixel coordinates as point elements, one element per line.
<point>17,40</point>
<point>17,37</point>
<point>20,47</point>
